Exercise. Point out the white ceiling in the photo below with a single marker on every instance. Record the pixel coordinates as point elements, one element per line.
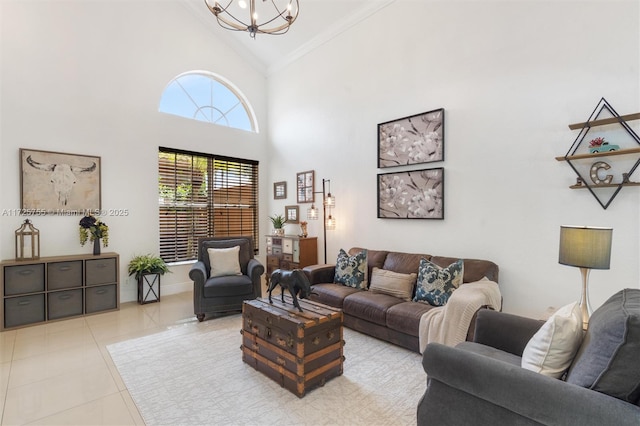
<point>318,22</point>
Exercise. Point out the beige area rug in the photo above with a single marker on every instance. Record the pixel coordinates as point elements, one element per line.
<point>194,375</point>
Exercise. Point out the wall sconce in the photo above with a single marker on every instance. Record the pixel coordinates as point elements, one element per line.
<point>328,221</point>
<point>27,241</point>
<point>587,248</point>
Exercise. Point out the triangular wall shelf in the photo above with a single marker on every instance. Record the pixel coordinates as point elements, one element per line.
<point>587,159</point>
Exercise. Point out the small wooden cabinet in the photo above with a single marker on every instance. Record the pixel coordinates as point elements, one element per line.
<point>290,252</point>
<point>53,288</point>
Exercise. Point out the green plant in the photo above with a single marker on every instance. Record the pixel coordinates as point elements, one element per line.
<point>147,264</point>
<point>92,228</point>
<point>278,221</point>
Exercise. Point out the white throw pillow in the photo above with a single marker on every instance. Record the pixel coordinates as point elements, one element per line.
<point>393,283</point>
<point>224,261</point>
<point>552,349</point>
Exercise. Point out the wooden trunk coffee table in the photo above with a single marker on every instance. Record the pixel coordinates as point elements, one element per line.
<point>299,350</point>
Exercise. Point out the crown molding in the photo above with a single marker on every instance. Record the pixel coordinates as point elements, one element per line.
<point>331,32</point>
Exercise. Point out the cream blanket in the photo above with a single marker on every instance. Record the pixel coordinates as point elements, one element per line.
<point>449,324</point>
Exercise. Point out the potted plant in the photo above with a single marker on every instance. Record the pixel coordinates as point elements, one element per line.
<point>147,269</point>
<point>278,221</point>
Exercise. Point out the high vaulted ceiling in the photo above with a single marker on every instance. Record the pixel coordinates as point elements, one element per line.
<point>318,22</point>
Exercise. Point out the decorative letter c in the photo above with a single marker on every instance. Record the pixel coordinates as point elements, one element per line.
<point>595,168</point>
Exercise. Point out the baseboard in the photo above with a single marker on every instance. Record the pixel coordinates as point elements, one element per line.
<point>175,288</point>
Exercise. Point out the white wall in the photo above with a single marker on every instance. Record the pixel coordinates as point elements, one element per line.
<point>86,78</point>
<point>511,77</point>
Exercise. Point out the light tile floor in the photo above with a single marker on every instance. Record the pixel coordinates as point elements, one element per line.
<point>61,373</point>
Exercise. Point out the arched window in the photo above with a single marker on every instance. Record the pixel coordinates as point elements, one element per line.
<point>205,96</point>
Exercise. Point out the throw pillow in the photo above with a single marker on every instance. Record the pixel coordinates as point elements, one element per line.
<point>551,350</point>
<point>607,361</point>
<point>224,261</point>
<point>392,283</point>
<point>435,284</point>
<point>351,270</point>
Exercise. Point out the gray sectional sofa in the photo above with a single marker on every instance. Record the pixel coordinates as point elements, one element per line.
<point>482,383</point>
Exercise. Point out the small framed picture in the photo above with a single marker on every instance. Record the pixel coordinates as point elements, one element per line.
<point>280,190</point>
<point>291,214</point>
<point>304,187</point>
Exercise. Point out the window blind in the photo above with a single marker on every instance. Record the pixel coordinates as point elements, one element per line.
<point>202,195</point>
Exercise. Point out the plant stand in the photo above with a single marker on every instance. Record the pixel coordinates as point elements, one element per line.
<point>149,288</point>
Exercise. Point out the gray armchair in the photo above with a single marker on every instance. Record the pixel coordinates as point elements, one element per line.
<point>213,295</point>
<point>482,383</point>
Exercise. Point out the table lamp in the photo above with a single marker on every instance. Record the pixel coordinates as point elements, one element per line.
<point>587,248</point>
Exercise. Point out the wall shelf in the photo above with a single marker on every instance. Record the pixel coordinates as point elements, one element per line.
<point>599,154</point>
<point>605,121</point>
<point>605,185</point>
<point>622,177</point>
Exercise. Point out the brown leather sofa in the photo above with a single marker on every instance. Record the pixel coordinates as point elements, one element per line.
<point>383,316</point>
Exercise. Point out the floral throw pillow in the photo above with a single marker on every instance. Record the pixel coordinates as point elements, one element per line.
<point>351,270</point>
<point>435,284</point>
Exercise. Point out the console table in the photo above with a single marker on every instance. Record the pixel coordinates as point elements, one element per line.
<point>59,287</point>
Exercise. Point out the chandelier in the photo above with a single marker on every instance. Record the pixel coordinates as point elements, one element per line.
<point>255,16</point>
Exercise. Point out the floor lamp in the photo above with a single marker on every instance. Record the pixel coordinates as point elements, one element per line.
<point>328,203</point>
<point>587,248</point>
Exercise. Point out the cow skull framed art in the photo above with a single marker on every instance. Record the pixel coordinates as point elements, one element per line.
<point>59,183</point>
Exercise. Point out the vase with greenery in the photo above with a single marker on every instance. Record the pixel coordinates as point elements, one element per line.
<point>147,264</point>
<point>278,221</point>
<point>94,230</point>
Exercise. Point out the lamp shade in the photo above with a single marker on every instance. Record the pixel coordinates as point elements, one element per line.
<point>585,247</point>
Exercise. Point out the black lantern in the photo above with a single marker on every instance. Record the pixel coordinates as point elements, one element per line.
<point>27,242</point>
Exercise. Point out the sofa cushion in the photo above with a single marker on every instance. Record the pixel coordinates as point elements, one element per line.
<point>404,263</point>
<point>552,348</point>
<point>351,270</point>
<point>393,283</point>
<point>231,285</point>
<point>474,269</point>
<point>246,250</point>
<point>405,317</point>
<point>224,261</point>
<point>375,259</point>
<point>369,306</point>
<point>607,361</point>
<point>435,284</point>
<point>331,294</point>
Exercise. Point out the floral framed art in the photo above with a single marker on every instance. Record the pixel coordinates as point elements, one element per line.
<point>415,139</point>
<point>304,187</point>
<point>417,194</point>
<point>280,190</point>
<point>59,183</point>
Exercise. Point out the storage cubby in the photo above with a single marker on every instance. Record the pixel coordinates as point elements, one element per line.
<point>54,288</point>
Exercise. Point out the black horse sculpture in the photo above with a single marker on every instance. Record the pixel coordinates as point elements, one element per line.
<point>295,281</point>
